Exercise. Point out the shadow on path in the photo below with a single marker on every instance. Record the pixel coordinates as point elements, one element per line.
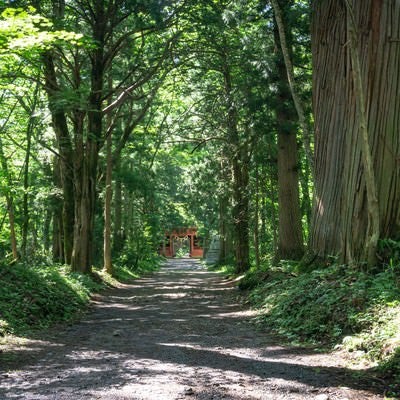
<point>176,334</point>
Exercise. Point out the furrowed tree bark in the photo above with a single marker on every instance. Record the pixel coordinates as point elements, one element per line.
<point>290,233</point>
<point>371,244</point>
<point>64,144</point>
<point>64,227</point>
<point>85,171</point>
<point>342,223</point>
<point>306,202</point>
<point>85,198</point>
<point>270,213</point>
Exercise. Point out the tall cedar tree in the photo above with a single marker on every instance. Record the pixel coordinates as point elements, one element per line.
<point>342,219</point>
<point>290,243</point>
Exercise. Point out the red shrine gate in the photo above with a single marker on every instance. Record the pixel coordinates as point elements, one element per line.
<point>181,238</point>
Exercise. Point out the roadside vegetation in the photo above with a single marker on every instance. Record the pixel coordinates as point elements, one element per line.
<point>37,297</point>
<point>338,307</point>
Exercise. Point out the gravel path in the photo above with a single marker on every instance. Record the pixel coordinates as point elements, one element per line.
<point>179,334</point>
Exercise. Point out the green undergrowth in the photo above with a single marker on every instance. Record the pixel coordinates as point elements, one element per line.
<point>338,306</point>
<point>226,269</point>
<point>124,271</point>
<point>37,297</point>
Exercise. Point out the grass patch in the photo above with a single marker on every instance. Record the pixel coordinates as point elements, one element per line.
<point>336,306</point>
<point>225,269</point>
<point>125,270</point>
<point>34,298</point>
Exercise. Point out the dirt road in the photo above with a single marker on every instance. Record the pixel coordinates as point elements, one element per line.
<point>178,334</point>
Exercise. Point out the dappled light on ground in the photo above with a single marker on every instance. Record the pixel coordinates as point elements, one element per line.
<point>178,334</point>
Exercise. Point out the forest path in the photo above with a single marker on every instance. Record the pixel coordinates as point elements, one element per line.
<point>178,334</point>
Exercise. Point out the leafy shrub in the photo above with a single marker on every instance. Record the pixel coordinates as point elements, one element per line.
<point>389,254</point>
<point>226,269</point>
<point>138,262</point>
<point>330,304</point>
<point>391,366</point>
<point>258,277</point>
<point>36,297</point>
<point>357,311</point>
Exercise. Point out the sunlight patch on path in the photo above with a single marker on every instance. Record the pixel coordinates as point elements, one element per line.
<point>179,334</point>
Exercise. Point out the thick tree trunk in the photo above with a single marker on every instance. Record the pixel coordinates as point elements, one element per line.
<point>241,215</point>
<point>341,222</point>
<point>64,145</point>
<point>371,244</point>
<point>306,203</point>
<point>271,186</point>
<point>86,168</point>
<point>85,203</point>
<point>290,235</point>
<point>290,240</point>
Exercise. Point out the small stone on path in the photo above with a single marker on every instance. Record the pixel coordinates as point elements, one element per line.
<point>188,391</point>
